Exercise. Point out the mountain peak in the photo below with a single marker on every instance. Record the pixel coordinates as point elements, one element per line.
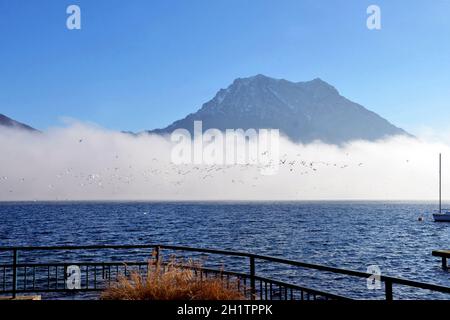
<point>10,123</point>
<point>319,86</point>
<point>318,80</point>
<point>259,78</point>
<point>302,111</point>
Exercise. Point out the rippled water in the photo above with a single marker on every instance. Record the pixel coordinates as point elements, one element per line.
<point>349,235</point>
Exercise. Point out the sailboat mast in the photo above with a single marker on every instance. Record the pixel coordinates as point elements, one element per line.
<point>440,183</point>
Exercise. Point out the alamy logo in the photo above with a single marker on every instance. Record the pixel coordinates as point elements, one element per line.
<point>374,281</point>
<point>73,22</point>
<point>235,146</point>
<point>374,19</point>
<point>73,281</point>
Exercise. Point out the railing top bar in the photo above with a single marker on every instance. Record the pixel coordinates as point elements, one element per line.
<point>416,284</point>
<point>70,247</point>
<point>204,250</point>
<point>143,246</point>
<point>239,254</point>
<point>313,266</point>
<point>61,264</point>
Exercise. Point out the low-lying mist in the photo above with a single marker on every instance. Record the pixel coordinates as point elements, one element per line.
<point>85,162</point>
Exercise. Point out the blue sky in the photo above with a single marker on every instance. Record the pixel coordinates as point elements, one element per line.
<point>139,65</point>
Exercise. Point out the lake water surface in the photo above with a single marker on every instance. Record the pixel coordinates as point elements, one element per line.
<point>349,235</point>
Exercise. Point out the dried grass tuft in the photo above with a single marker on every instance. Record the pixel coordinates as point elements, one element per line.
<point>172,281</point>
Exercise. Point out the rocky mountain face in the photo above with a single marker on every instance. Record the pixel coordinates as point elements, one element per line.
<point>302,111</point>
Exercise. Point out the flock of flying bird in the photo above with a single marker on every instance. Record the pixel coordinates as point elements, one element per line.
<point>170,174</point>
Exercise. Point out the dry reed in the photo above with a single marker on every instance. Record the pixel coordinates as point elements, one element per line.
<point>172,281</point>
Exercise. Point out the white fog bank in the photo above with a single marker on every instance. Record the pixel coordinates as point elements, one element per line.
<point>84,162</point>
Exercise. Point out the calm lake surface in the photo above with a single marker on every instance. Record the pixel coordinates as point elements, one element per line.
<point>350,235</point>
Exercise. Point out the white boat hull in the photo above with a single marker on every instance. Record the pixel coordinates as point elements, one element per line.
<point>441,217</point>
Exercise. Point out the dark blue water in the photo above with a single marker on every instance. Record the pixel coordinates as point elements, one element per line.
<point>349,235</point>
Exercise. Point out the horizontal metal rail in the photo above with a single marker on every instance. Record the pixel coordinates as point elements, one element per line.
<point>389,281</point>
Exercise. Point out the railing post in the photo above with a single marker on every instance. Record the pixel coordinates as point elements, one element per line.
<point>14,282</point>
<point>252,277</point>
<point>388,290</point>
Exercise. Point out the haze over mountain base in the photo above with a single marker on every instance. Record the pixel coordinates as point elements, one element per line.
<point>82,162</point>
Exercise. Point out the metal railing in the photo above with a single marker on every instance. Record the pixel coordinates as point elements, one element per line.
<point>34,275</point>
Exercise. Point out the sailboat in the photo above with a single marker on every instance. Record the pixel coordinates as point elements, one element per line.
<point>444,214</point>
